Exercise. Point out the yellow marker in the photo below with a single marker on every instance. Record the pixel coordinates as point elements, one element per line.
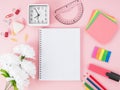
<point>101,54</point>
<point>98,53</point>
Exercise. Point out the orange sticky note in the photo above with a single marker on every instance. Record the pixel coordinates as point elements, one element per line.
<point>98,53</point>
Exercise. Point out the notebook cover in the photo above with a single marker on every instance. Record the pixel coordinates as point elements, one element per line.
<point>59,57</point>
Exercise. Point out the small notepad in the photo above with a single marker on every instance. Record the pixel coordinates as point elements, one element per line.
<point>102,28</point>
<point>59,54</point>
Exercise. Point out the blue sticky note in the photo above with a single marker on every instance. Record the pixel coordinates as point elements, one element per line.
<point>108,56</point>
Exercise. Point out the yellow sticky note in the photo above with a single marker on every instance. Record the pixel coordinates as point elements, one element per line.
<point>101,54</point>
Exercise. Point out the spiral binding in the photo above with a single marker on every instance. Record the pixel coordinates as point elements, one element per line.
<point>40,56</point>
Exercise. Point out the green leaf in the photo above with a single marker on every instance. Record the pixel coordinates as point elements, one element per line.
<point>4,73</point>
<point>22,57</point>
<point>13,82</point>
<point>15,87</point>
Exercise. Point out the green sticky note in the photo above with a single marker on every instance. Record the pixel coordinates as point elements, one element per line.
<point>93,19</point>
<point>104,55</point>
<point>96,14</point>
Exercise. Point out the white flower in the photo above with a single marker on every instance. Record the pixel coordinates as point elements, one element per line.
<point>9,59</point>
<point>29,68</point>
<point>24,50</point>
<point>18,70</point>
<point>10,78</point>
<point>19,75</point>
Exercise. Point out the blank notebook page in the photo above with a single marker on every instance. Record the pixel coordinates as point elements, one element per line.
<point>59,50</point>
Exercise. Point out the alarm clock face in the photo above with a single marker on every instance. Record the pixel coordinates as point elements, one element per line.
<point>39,15</point>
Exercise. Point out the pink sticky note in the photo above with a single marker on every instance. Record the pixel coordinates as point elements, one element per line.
<point>95,52</point>
<point>103,29</point>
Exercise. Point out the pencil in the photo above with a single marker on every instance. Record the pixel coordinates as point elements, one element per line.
<point>98,82</point>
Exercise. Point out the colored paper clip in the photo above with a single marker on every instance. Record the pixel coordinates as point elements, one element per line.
<point>17,11</point>
<point>5,34</point>
<point>9,15</point>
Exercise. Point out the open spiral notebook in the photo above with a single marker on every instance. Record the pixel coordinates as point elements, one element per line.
<point>59,54</point>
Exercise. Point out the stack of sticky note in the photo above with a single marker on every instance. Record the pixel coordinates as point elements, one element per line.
<point>102,26</point>
<point>101,54</point>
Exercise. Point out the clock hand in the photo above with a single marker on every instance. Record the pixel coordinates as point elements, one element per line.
<point>37,16</point>
<point>36,11</point>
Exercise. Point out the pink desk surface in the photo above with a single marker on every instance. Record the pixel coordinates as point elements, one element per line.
<point>110,6</point>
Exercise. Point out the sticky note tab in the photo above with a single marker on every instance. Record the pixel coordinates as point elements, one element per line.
<point>108,56</point>
<point>98,53</point>
<point>101,54</point>
<point>104,55</point>
<point>95,52</point>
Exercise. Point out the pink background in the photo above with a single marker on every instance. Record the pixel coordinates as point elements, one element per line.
<point>110,6</point>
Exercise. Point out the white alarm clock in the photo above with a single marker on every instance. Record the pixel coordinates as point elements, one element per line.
<point>38,15</point>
